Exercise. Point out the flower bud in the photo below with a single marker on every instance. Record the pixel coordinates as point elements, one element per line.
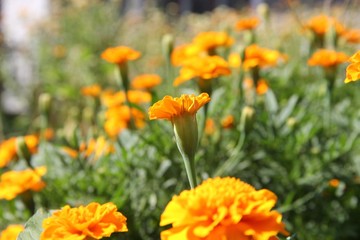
<point>167,46</point>
<point>44,103</point>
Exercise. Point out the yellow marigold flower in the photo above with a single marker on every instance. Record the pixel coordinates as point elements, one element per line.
<point>327,58</point>
<point>228,122</point>
<point>91,91</point>
<point>205,67</point>
<point>208,41</point>
<point>13,183</point>
<point>120,54</point>
<point>353,70</point>
<point>98,147</point>
<point>256,56</point>
<point>93,221</point>
<point>11,232</point>
<point>183,52</point>
<point>170,108</point>
<point>247,23</point>
<point>7,151</point>
<point>234,60</point>
<point>222,208</point>
<point>321,24</point>
<point>262,87</point>
<point>352,35</point>
<point>146,81</point>
<point>334,182</point>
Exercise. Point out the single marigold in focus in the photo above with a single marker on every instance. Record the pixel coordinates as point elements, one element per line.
<point>13,183</point>
<point>321,24</point>
<point>208,41</point>
<point>222,208</point>
<point>120,54</point>
<point>183,52</point>
<point>327,58</point>
<point>247,23</point>
<point>205,67</point>
<point>93,221</point>
<point>256,56</point>
<point>170,108</point>
<point>11,232</point>
<point>91,91</point>
<point>353,70</point>
<point>146,81</point>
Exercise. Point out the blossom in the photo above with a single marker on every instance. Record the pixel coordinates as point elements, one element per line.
<point>327,58</point>
<point>334,182</point>
<point>183,52</point>
<point>321,24</point>
<point>120,54</point>
<point>234,60</point>
<point>228,122</point>
<point>11,232</point>
<point>208,41</point>
<point>170,108</point>
<point>92,90</point>
<point>146,81</point>
<point>98,147</point>
<point>247,23</point>
<point>205,67</point>
<point>209,126</point>
<point>256,56</point>
<point>13,183</point>
<point>262,87</point>
<point>352,35</point>
<point>353,70</point>
<point>113,99</point>
<point>93,221</point>
<point>222,208</point>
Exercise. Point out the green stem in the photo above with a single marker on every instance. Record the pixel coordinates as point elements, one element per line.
<point>190,169</point>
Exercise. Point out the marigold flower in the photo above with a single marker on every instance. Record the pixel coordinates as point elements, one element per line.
<point>256,56</point>
<point>327,58</point>
<point>98,147</point>
<point>183,52</point>
<point>262,87</point>
<point>209,126</point>
<point>247,23</point>
<point>93,221</point>
<point>222,208</point>
<point>334,182</point>
<point>208,41</point>
<point>234,60</point>
<point>352,35</point>
<point>205,67</point>
<point>91,91</point>
<point>11,232</point>
<point>13,183</point>
<point>170,108</point>
<point>228,122</point>
<point>111,99</point>
<point>146,81</point>
<point>321,24</point>
<point>69,151</point>
<point>353,70</point>
<point>120,54</point>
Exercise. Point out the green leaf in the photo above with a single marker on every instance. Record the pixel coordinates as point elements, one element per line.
<point>33,227</point>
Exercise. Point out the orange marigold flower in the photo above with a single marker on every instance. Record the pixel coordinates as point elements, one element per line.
<point>183,52</point>
<point>353,70</point>
<point>222,208</point>
<point>228,122</point>
<point>146,81</point>
<point>7,151</point>
<point>13,183</point>
<point>91,91</point>
<point>209,126</point>
<point>205,67</point>
<point>69,151</point>
<point>327,58</point>
<point>208,41</point>
<point>110,99</point>
<point>321,24</point>
<point>262,87</point>
<point>170,108</point>
<point>256,56</point>
<point>11,232</point>
<point>247,23</point>
<point>93,221</point>
<point>98,147</point>
<point>334,182</point>
<point>120,54</point>
<point>352,35</point>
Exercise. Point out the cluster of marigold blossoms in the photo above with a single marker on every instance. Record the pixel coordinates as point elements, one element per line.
<point>94,221</point>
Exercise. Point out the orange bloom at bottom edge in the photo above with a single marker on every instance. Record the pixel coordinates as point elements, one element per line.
<point>93,221</point>
<point>11,232</point>
<point>222,208</point>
